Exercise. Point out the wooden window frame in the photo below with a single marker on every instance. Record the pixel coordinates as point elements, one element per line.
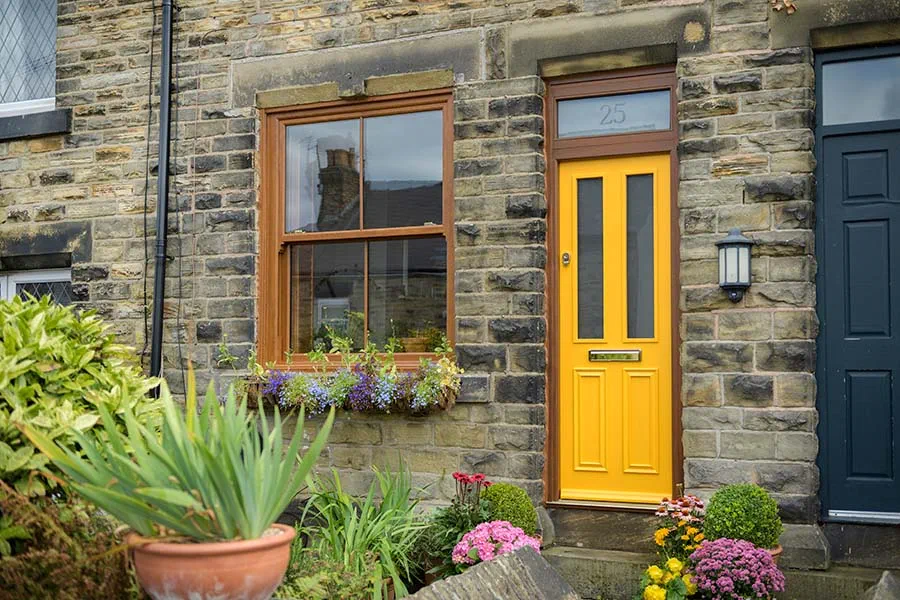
<point>273,276</point>
<point>556,149</point>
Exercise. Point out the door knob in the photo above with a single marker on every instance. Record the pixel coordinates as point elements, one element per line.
<point>566,259</point>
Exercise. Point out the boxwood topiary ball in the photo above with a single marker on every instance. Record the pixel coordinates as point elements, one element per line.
<point>511,503</point>
<point>743,512</point>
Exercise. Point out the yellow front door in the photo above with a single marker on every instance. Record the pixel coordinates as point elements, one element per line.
<point>615,345</point>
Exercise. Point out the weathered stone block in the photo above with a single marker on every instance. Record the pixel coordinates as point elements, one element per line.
<point>709,357</point>
<point>519,389</point>
<point>700,444</point>
<point>786,356</point>
<point>795,390</point>
<point>701,390</point>
<point>521,330</point>
<point>776,419</point>
<point>714,473</point>
<point>728,418</point>
<point>746,81</point>
<point>520,574</point>
<point>747,445</point>
<point>460,435</point>
<point>749,390</point>
<point>481,357</point>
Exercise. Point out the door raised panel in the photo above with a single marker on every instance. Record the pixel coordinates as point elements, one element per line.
<point>590,424</point>
<point>640,400</point>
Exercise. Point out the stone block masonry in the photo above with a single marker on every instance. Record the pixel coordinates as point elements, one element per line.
<point>745,117</point>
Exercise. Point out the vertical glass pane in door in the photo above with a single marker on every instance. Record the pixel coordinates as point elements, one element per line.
<point>640,256</point>
<point>590,258</point>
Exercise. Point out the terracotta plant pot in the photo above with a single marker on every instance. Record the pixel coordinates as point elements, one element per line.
<point>242,570</point>
<point>775,552</point>
<point>415,344</point>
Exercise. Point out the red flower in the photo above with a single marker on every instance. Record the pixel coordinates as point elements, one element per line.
<point>486,483</point>
<point>477,477</point>
<point>459,476</point>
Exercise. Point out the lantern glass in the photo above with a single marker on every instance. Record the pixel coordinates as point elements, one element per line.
<point>722,280</point>
<point>731,265</point>
<point>744,265</point>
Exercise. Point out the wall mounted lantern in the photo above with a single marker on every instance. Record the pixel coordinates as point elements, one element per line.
<point>734,264</point>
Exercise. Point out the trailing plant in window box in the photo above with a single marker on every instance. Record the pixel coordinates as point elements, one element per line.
<point>367,381</point>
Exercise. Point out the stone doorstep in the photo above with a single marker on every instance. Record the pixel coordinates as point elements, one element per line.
<point>614,575</point>
<point>805,546</point>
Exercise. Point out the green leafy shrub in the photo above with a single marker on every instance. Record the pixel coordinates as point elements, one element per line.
<point>57,366</point>
<point>349,530</point>
<point>743,512</point>
<point>511,503</point>
<point>70,552</point>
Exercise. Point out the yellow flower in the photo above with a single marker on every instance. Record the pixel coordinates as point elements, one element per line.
<point>654,573</point>
<point>688,580</point>
<point>674,565</point>
<point>685,538</point>
<point>699,537</point>
<point>667,578</point>
<point>682,523</point>
<point>692,531</point>
<point>654,592</point>
<point>660,536</point>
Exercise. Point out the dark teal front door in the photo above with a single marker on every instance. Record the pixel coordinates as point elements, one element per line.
<point>858,252</point>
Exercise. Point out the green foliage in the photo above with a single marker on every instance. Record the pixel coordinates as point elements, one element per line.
<point>71,552</point>
<point>511,503</point>
<point>57,367</point>
<point>743,512</point>
<point>446,527</point>
<point>348,530</point>
<point>311,576</point>
<point>219,475</point>
<point>10,532</point>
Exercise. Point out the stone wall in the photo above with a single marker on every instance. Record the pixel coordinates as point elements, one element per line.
<point>746,117</point>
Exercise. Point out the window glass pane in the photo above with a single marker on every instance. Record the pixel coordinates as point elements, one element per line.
<point>403,169</point>
<point>859,91</point>
<point>59,291</point>
<point>408,292</point>
<point>326,291</point>
<point>322,176</point>
<point>590,258</point>
<point>640,256</point>
<point>27,50</point>
<point>605,115</point>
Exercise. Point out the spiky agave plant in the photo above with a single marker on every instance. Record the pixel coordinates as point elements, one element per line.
<point>222,474</point>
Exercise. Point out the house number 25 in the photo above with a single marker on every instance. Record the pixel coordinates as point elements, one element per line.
<point>612,114</point>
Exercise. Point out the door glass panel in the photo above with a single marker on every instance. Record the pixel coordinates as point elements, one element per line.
<point>606,115</point>
<point>408,292</point>
<point>321,176</point>
<point>640,256</point>
<point>590,258</point>
<point>404,169</point>
<point>860,91</point>
<point>327,291</point>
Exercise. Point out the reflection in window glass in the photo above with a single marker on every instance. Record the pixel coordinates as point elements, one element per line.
<point>606,115</point>
<point>590,258</point>
<point>327,290</point>
<point>861,91</point>
<point>322,176</point>
<point>403,169</point>
<point>640,256</point>
<point>27,50</point>
<point>408,292</point>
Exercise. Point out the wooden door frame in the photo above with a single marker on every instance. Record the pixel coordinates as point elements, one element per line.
<point>654,142</point>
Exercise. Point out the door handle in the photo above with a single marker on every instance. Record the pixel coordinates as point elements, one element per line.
<point>566,259</point>
<point>614,355</point>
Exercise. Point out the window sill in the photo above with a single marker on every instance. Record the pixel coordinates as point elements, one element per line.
<point>407,361</point>
<point>36,124</point>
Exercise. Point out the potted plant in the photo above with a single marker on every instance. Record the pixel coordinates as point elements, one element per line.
<point>201,497</point>
<point>744,512</point>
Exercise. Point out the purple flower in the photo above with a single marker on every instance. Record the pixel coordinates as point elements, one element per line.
<point>362,394</point>
<point>728,569</point>
<point>275,382</point>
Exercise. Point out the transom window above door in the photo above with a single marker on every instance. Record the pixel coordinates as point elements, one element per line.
<point>357,226</point>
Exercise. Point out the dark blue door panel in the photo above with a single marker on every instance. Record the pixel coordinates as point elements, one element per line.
<point>859,297</point>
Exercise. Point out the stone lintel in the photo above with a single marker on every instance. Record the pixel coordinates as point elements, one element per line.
<point>790,31</point>
<point>661,54</point>
<point>533,44</point>
<point>409,82</point>
<point>858,34</point>
<point>36,124</point>
<point>459,52</point>
<point>71,239</point>
<point>304,94</point>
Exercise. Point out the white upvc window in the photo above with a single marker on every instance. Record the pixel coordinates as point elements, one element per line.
<point>27,56</point>
<point>57,283</point>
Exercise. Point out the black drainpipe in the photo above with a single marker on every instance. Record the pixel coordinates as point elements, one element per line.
<point>162,192</point>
